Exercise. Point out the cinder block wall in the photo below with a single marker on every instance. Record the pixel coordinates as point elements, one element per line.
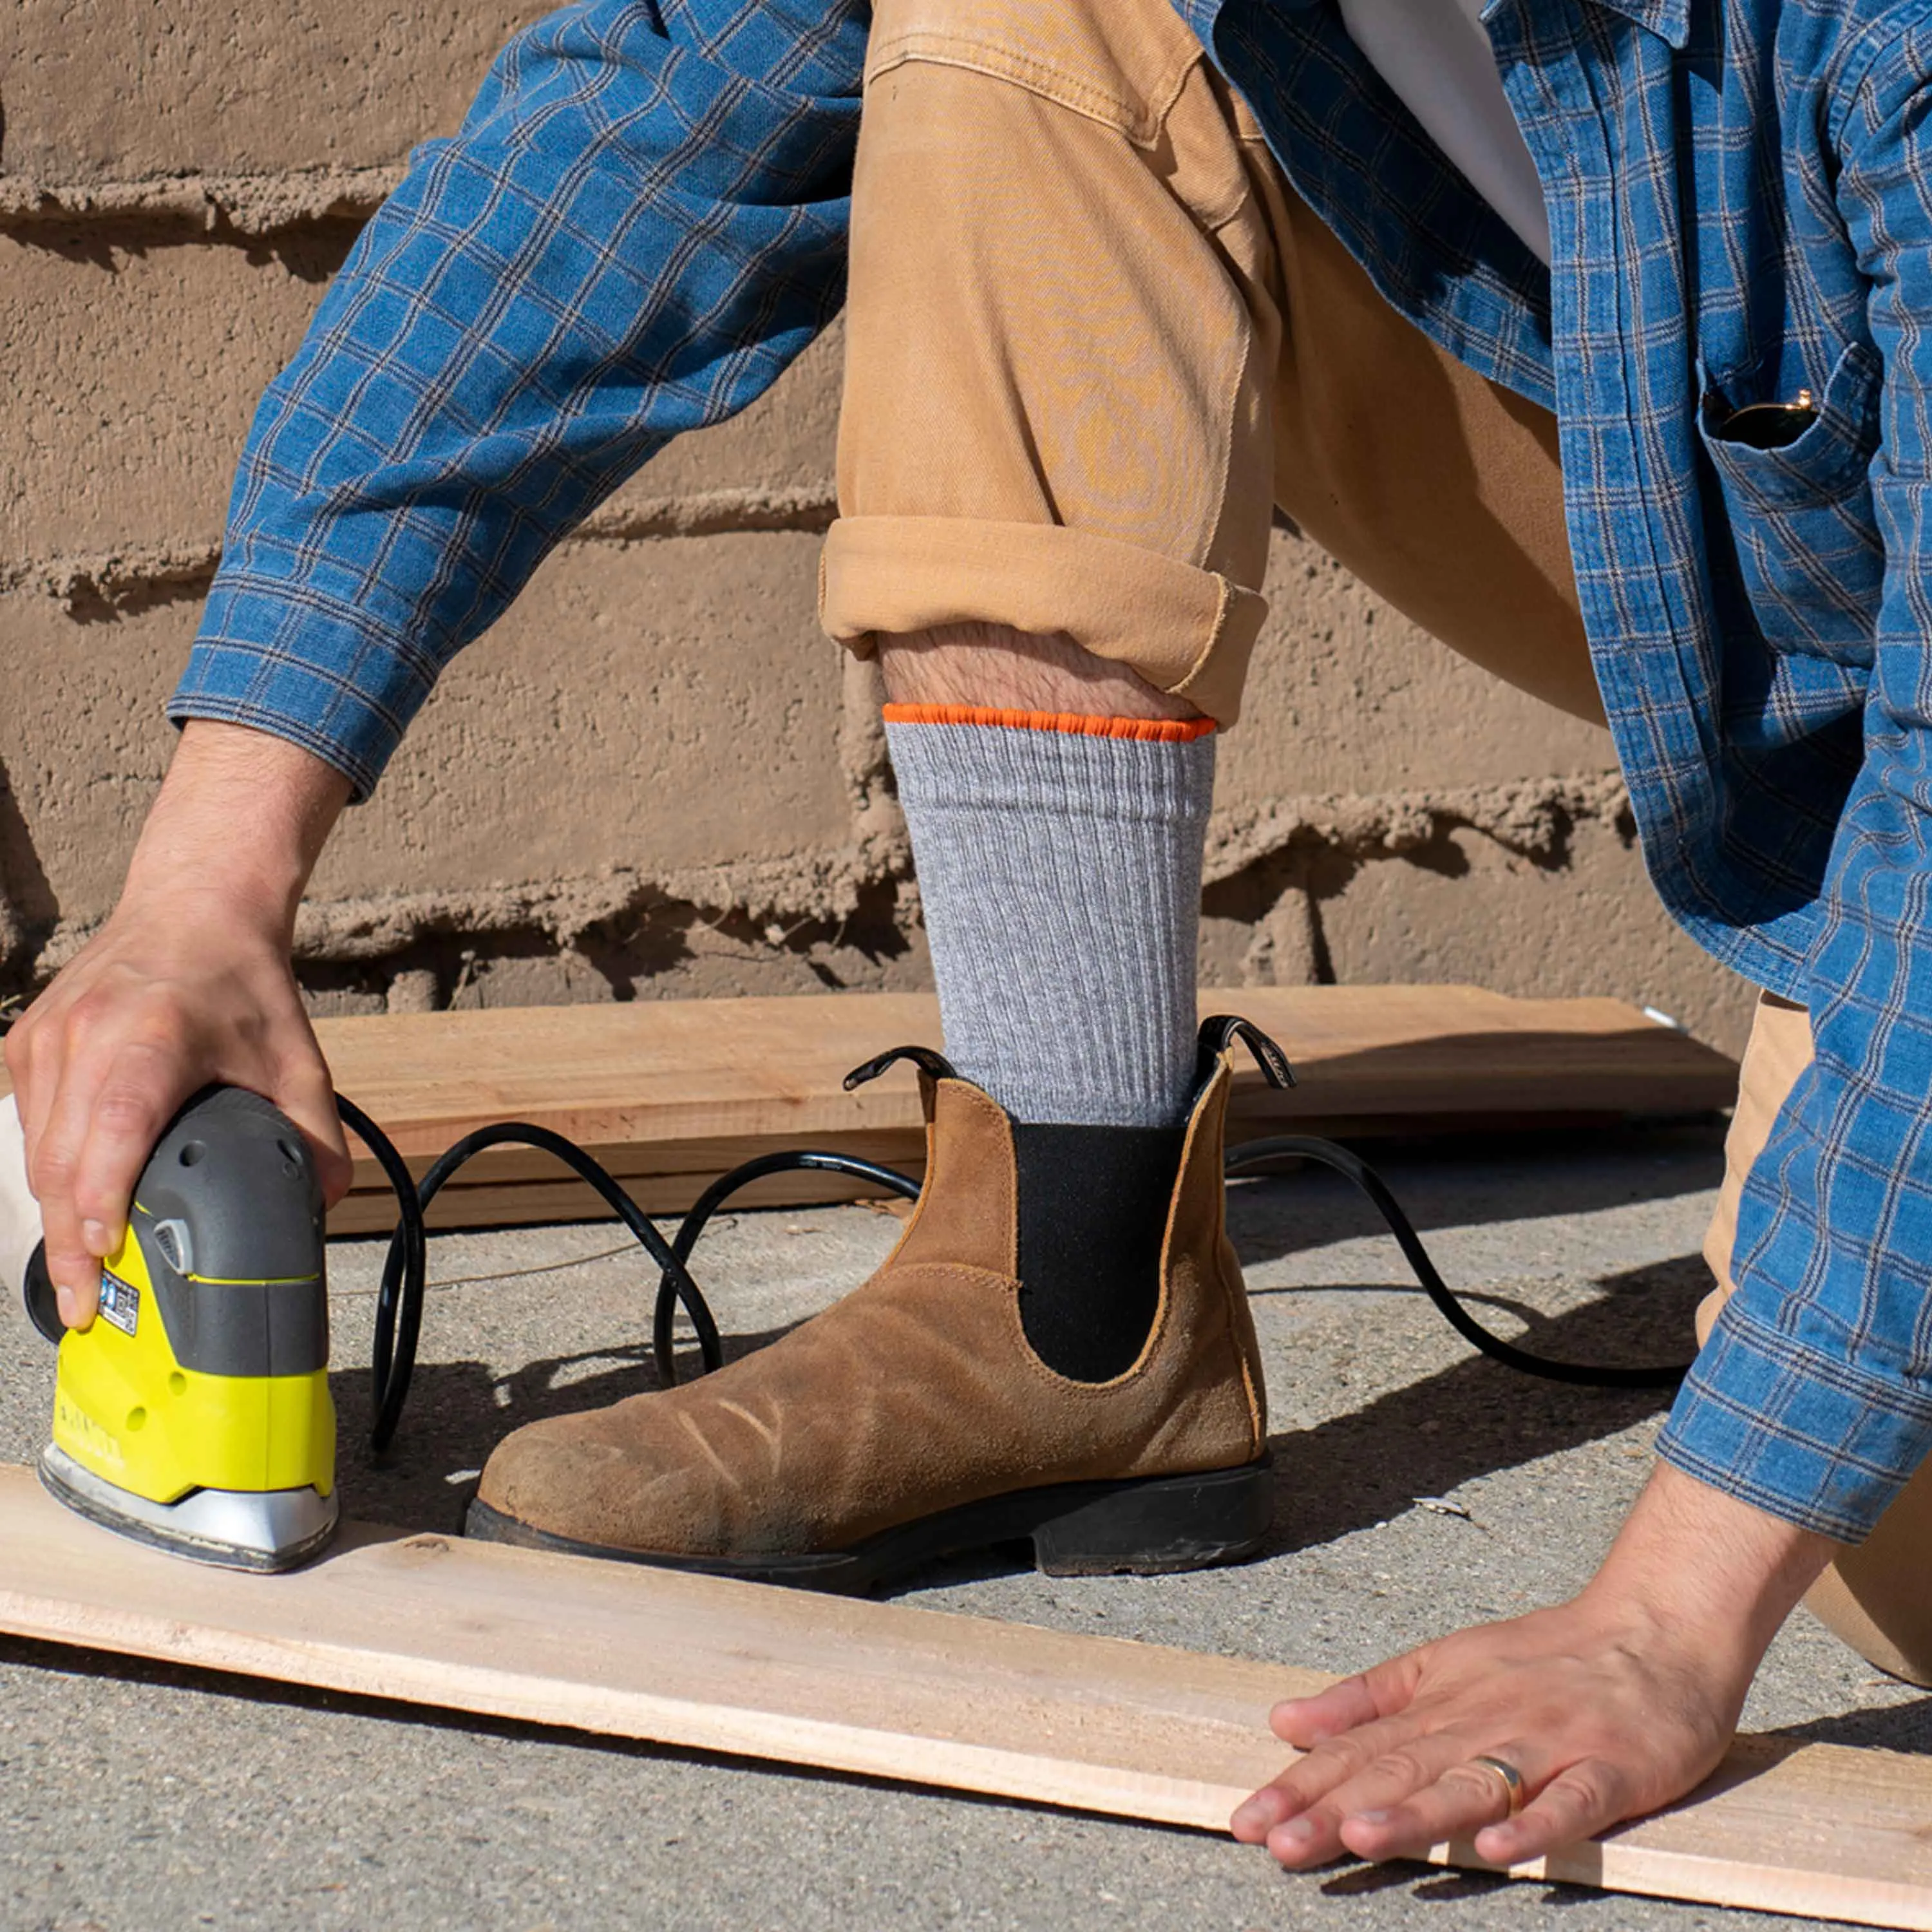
<point>655,778</point>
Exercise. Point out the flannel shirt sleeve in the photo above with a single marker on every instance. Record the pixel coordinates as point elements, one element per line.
<point>641,221</point>
<point>1813,1398</point>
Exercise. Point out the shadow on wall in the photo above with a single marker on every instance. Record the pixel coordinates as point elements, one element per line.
<point>655,947</point>
<point>311,251</point>
<point>29,911</point>
<point>1281,896</point>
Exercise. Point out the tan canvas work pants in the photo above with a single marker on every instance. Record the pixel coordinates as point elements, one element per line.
<point>1094,339</point>
<point>1878,1596</point>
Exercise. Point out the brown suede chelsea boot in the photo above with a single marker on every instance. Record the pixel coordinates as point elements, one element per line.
<point>1059,1349</point>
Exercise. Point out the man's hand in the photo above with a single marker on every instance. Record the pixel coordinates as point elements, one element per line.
<point>1610,1705</point>
<point>188,983</point>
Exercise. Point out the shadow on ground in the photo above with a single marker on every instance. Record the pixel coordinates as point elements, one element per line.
<point>1899,1727</point>
<point>1476,1418</point>
<point>1469,1420</point>
<point>459,1411</point>
<point>1341,1475</point>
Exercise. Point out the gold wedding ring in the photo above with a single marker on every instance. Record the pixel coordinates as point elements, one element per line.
<point>1511,1778</point>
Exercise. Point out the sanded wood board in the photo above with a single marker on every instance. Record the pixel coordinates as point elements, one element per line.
<point>669,1093</point>
<point>1092,1723</point>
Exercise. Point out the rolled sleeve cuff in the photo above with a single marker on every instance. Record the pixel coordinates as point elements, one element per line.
<point>1187,631</point>
<point>306,668</point>
<point>1795,1430</point>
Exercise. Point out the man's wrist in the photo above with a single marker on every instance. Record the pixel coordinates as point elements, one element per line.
<point>236,830</point>
<point>1719,1575</point>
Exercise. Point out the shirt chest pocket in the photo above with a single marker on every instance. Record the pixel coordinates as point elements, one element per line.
<point>1797,489</point>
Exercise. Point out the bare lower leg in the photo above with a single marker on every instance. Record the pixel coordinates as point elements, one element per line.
<point>1002,669</point>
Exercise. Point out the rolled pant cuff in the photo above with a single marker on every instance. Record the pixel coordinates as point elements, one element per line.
<point>1187,631</point>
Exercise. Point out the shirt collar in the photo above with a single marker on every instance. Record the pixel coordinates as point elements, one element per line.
<point>1669,19</point>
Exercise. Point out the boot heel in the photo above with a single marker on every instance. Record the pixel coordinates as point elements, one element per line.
<point>1162,1524</point>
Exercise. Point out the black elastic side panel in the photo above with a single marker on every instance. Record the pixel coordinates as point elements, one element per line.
<point>1092,1213</point>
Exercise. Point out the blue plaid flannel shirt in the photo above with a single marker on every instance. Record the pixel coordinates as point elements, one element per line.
<point>642,219</point>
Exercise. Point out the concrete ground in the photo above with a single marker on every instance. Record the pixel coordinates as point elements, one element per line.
<point>1421,1487</point>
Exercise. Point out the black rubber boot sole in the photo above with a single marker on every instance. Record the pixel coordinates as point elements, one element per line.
<point>1149,1527</point>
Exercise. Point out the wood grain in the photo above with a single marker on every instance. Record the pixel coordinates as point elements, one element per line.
<point>669,1093</point>
<point>1093,1723</point>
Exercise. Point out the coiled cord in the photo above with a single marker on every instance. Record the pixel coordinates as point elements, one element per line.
<point>399,1304</point>
<point>1352,1167</point>
<point>796,1159</point>
<point>1250,1154</point>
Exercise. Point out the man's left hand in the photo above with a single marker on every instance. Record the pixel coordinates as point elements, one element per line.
<point>1603,1719</point>
<point>1608,1706</point>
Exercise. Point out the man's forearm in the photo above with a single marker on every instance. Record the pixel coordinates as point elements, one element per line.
<point>241,819</point>
<point>189,983</point>
<point>402,480</point>
<point>1715,1571</point>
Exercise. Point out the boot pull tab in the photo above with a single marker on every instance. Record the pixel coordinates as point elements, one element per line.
<point>934,1065</point>
<point>1220,1033</point>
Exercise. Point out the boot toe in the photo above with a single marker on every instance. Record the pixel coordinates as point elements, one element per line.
<point>566,1481</point>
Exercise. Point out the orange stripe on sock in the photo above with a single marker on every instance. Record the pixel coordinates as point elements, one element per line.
<point>1144,730</point>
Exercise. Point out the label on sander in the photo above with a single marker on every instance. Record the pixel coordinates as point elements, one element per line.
<point>120,1302</point>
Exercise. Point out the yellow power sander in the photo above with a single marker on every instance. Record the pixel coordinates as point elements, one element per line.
<point>194,1413</point>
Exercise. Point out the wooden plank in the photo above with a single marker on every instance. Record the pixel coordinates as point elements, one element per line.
<point>529,1188</point>
<point>539,1203</point>
<point>669,1093</point>
<point>673,1071</point>
<point>1093,1723</point>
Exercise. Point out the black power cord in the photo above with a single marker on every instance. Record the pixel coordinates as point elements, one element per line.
<point>399,1304</point>
<point>1240,1160</point>
<point>714,1197</point>
<point>1352,1167</point>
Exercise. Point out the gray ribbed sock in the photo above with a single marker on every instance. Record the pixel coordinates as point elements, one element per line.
<point>1061,876</point>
